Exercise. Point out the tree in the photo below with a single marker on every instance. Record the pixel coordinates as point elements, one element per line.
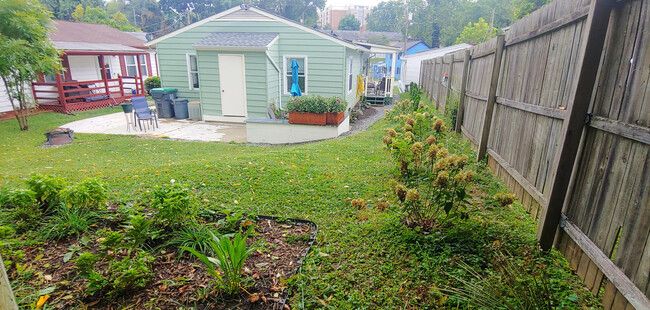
<point>99,15</point>
<point>26,50</point>
<point>386,16</point>
<point>349,22</point>
<point>476,33</point>
<point>302,11</point>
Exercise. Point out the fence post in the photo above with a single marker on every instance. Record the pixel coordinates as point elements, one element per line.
<point>7,300</point>
<point>492,96</point>
<point>463,87</point>
<point>588,64</point>
<point>449,79</point>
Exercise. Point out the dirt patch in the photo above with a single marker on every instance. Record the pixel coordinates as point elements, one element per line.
<point>179,281</point>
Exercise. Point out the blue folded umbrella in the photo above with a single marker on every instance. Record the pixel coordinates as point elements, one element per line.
<point>295,88</point>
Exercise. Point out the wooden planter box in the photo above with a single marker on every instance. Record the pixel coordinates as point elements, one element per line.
<point>334,118</point>
<point>307,118</point>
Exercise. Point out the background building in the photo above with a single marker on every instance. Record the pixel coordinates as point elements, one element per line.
<point>332,15</point>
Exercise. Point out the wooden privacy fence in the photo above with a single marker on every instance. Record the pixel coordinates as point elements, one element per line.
<point>560,105</point>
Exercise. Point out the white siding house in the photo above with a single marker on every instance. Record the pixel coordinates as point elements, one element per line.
<point>412,67</point>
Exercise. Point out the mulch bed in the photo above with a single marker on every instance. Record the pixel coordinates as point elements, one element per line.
<point>181,282</point>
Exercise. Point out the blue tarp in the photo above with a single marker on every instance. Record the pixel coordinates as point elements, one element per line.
<point>295,88</point>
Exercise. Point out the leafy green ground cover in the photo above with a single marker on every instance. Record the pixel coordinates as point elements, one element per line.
<point>364,258</point>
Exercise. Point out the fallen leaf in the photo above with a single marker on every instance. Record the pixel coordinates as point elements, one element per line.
<point>47,277</point>
<point>255,297</point>
<point>323,254</point>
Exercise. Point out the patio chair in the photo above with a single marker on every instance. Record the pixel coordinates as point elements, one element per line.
<point>142,112</point>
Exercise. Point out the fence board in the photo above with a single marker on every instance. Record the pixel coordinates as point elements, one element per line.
<point>607,198</point>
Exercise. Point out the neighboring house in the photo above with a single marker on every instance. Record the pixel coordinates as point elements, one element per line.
<point>412,62</point>
<point>363,36</point>
<point>412,47</point>
<point>103,66</point>
<point>5,105</point>
<point>238,63</point>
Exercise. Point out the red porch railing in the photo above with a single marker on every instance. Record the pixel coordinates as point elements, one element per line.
<point>65,97</point>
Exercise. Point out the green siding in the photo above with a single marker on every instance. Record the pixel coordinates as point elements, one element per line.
<point>209,79</point>
<point>357,68</point>
<point>272,75</point>
<point>326,73</point>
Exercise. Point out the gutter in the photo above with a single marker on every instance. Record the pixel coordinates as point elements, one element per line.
<point>279,78</point>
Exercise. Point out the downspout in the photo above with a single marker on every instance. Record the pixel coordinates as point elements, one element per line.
<point>279,78</point>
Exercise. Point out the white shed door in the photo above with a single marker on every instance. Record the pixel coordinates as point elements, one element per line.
<point>232,79</point>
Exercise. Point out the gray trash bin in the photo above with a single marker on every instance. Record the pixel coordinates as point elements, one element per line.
<point>164,98</point>
<point>180,108</point>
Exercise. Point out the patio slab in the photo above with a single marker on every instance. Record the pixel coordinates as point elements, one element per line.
<point>168,128</point>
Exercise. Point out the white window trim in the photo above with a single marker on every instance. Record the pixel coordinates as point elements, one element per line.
<point>350,81</point>
<point>189,71</point>
<point>135,64</point>
<point>143,63</point>
<point>284,74</point>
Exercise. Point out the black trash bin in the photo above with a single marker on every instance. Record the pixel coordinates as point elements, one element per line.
<point>180,108</point>
<point>164,98</point>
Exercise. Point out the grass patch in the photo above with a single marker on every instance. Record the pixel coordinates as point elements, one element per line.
<point>361,260</point>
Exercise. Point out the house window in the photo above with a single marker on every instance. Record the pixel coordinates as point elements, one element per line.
<point>302,73</point>
<point>132,65</point>
<point>107,69</point>
<point>50,78</point>
<point>350,75</point>
<point>192,71</point>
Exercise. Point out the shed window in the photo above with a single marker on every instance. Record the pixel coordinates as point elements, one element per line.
<point>302,73</point>
<point>192,71</point>
<point>350,75</point>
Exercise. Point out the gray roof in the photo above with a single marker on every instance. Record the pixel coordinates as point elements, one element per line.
<point>410,43</point>
<point>237,39</point>
<point>354,35</point>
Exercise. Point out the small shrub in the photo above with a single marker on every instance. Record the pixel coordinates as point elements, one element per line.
<point>113,240</point>
<point>46,188</point>
<point>230,257</point>
<point>130,272</point>
<point>67,222</point>
<point>415,94</point>
<point>151,82</point>
<point>175,206</point>
<point>89,194</point>
<point>139,231</point>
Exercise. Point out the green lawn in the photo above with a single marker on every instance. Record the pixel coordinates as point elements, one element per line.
<point>361,260</point>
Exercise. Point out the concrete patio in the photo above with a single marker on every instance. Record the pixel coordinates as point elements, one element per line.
<point>168,128</point>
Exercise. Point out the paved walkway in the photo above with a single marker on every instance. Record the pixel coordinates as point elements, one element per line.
<point>168,128</point>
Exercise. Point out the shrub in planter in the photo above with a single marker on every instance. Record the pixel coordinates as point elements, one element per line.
<point>335,110</point>
<point>307,110</point>
<point>151,82</point>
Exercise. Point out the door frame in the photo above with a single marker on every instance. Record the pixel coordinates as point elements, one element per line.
<point>243,70</point>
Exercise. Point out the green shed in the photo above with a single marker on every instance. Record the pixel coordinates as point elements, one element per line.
<point>238,63</point>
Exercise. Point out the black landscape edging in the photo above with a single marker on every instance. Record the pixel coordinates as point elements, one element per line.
<point>304,254</point>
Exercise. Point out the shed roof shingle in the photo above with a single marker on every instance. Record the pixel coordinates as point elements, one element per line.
<point>237,39</point>
<point>65,31</point>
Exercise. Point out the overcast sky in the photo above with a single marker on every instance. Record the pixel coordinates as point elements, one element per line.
<point>349,2</point>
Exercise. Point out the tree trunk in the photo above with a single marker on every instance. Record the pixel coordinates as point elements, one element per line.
<point>22,111</point>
